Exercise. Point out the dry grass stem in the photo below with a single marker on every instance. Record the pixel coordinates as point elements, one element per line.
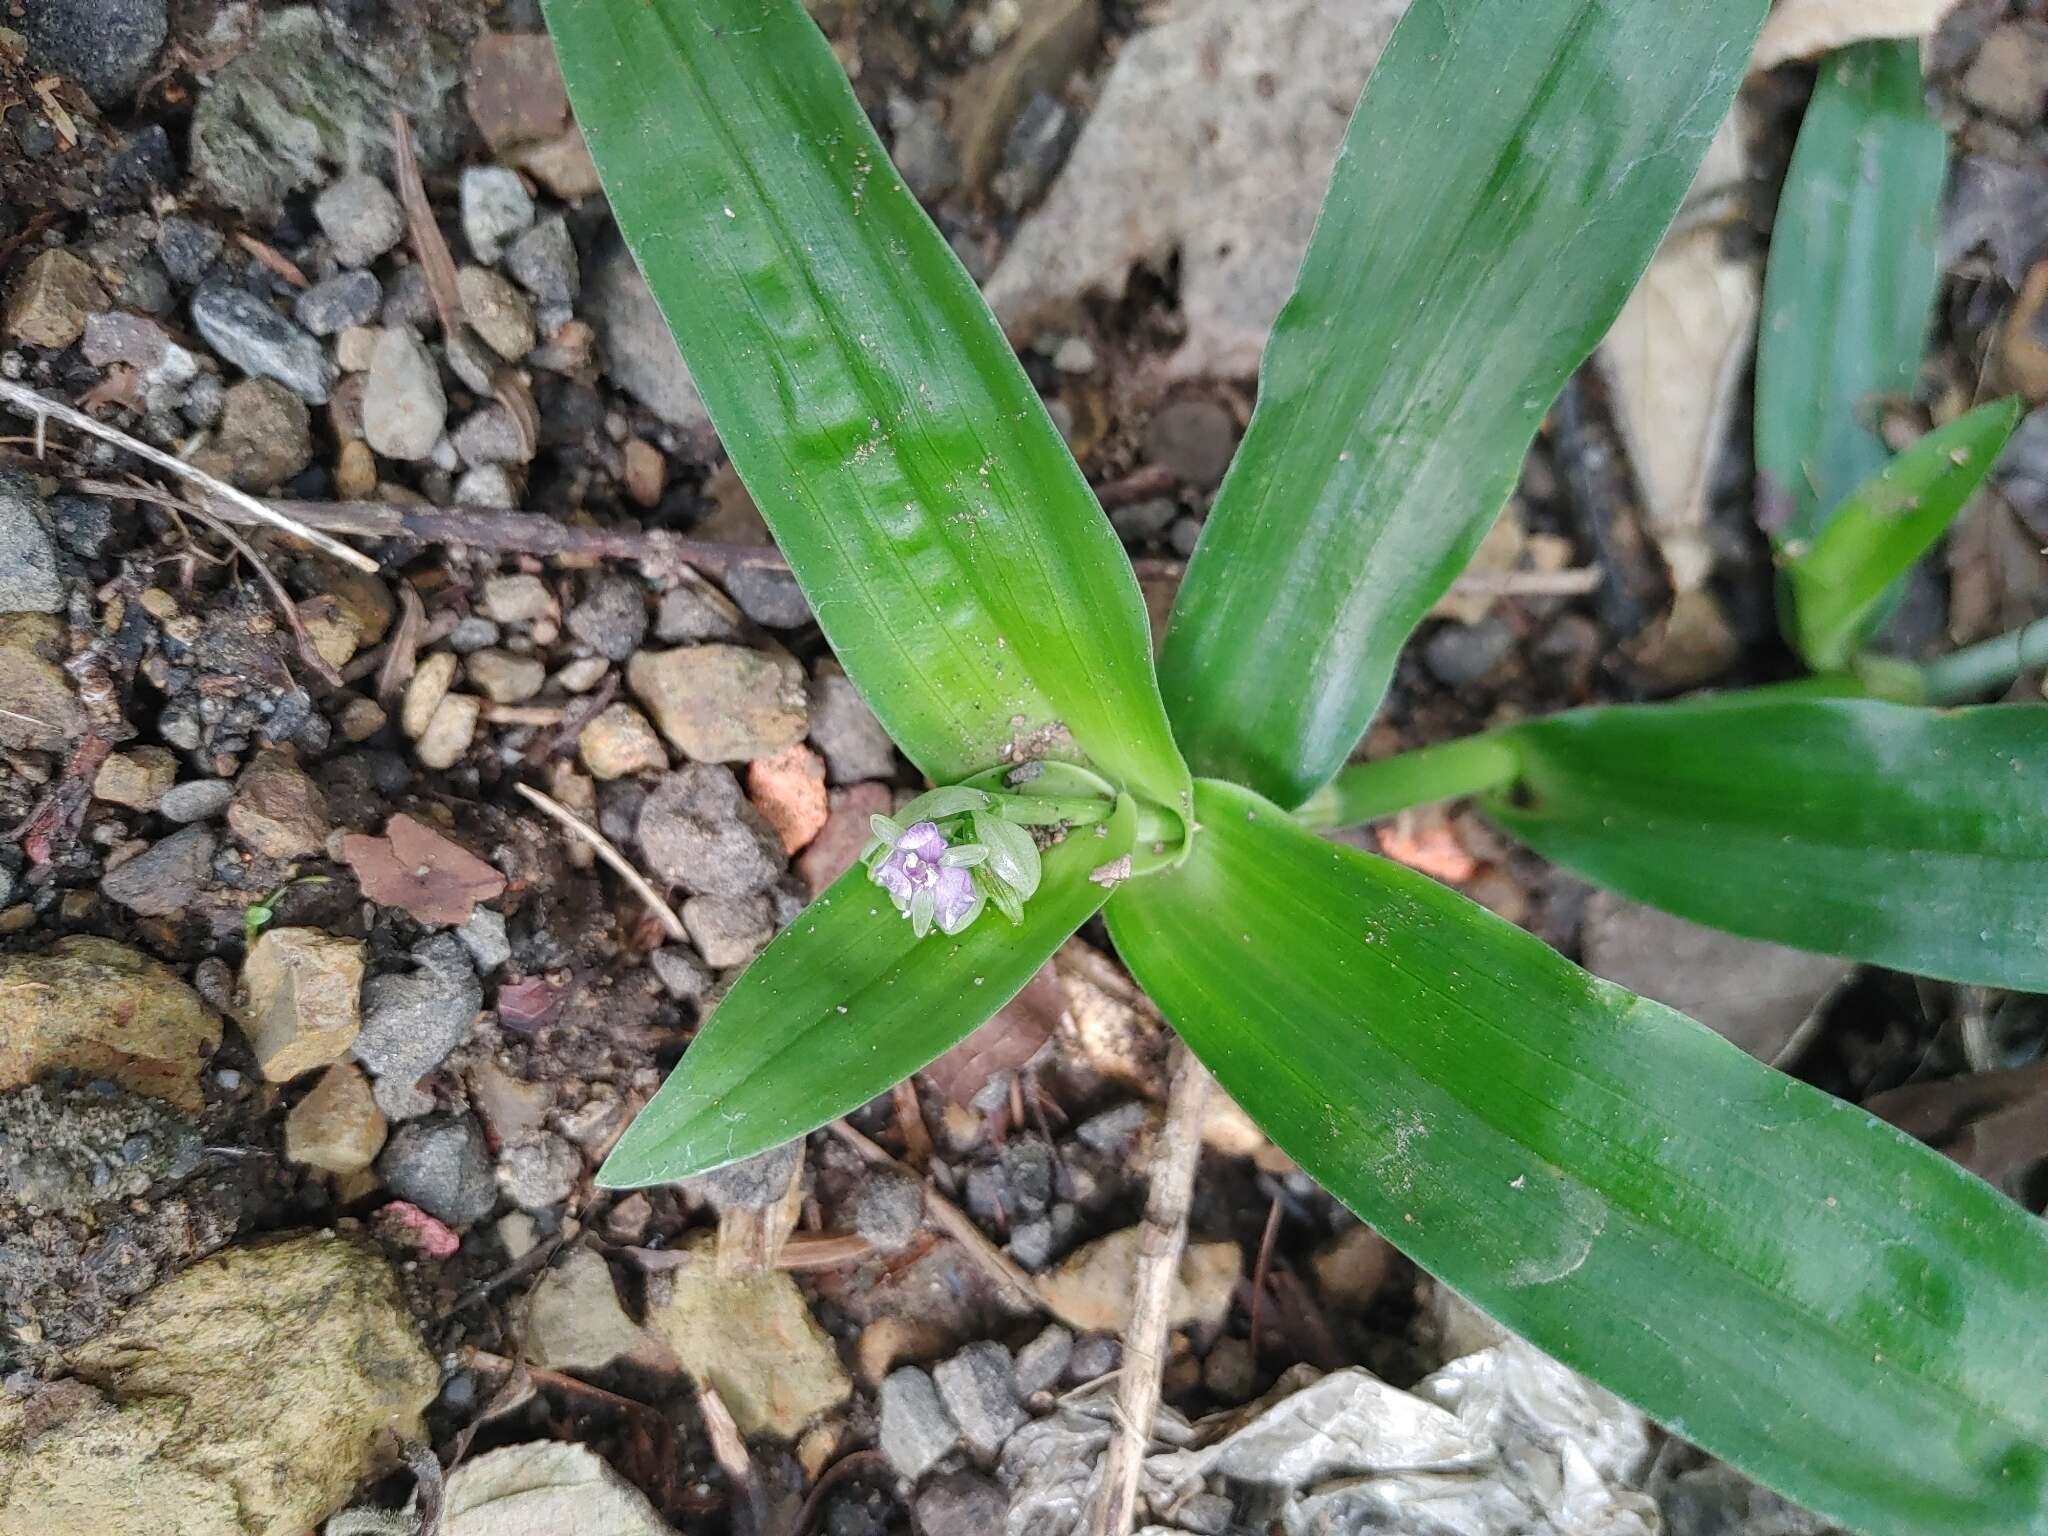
<point>576,826</point>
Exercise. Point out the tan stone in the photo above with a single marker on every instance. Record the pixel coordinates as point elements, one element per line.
<point>361,719</point>
<point>278,811</point>
<point>517,599</point>
<point>103,1010</point>
<point>450,732</point>
<point>722,703</point>
<point>48,304</point>
<point>618,742</point>
<point>498,311</point>
<point>1091,1289</point>
<point>136,779</point>
<point>336,1128</point>
<point>39,707</point>
<point>546,1488</point>
<point>332,629</point>
<point>429,685</point>
<point>249,1396</point>
<point>504,678</point>
<point>1352,1266</point>
<point>301,999</point>
<point>751,1338</point>
<point>574,1321</point>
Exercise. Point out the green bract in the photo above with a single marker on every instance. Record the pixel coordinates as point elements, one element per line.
<point>1860,1321</point>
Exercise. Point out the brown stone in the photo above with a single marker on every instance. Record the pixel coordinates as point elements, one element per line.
<point>102,1009</point>
<point>514,89</point>
<point>722,703</point>
<point>1091,1290</point>
<point>265,436</point>
<point>788,789</point>
<point>336,1128</point>
<point>619,742</point>
<point>278,811</point>
<point>48,304</point>
<point>39,707</point>
<point>838,844</point>
<point>1056,36</point>
<point>301,999</point>
<point>136,779</point>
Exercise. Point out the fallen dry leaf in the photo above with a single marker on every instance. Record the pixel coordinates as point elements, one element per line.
<point>416,869</point>
<point>1806,29</point>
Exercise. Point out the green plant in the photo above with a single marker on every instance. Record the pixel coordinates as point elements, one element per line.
<point>1771,1272</point>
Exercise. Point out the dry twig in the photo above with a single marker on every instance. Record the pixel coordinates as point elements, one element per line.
<point>730,1450</point>
<point>578,827</point>
<point>1162,1236</point>
<point>40,407</point>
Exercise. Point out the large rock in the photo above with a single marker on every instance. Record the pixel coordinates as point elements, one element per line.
<point>639,352</point>
<point>301,1004</point>
<point>752,1339</point>
<point>103,1010</point>
<point>548,1488</point>
<point>1191,151</point>
<point>28,551</point>
<point>306,99</point>
<point>696,830</point>
<point>249,1396</point>
<point>107,46</point>
<point>722,703</point>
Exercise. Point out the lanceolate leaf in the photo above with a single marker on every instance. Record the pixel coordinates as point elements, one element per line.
<point>1838,582</point>
<point>1853,271</point>
<point>1769,1271</point>
<point>1503,184</point>
<point>1913,838</point>
<point>950,548</point>
<point>844,1004</point>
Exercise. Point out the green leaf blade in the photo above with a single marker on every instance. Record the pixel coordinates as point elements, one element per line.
<point>1839,582</point>
<point>844,1004</point>
<point>1769,1271</point>
<point>1907,837</point>
<point>950,548</point>
<point>1503,184</point>
<point>1850,287</point>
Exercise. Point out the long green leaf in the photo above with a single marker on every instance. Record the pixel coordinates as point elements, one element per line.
<point>1853,269</point>
<point>1913,838</point>
<point>843,1005</point>
<point>1501,187</point>
<point>953,554</point>
<point>1838,582</point>
<point>1769,1271</point>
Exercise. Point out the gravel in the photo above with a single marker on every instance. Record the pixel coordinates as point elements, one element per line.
<point>166,878</point>
<point>697,830</point>
<point>770,598</point>
<point>495,208</point>
<point>107,46</point>
<point>916,1431</point>
<point>979,1388</point>
<point>441,1164</point>
<point>962,1504</point>
<point>412,1021</point>
<point>404,406</point>
<point>888,1208</point>
<point>361,218</point>
<point>1042,1362</point>
<point>543,260</point>
<point>261,342</point>
<point>196,800</point>
<point>28,553</point>
<point>612,618</point>
<point>348,298</point>
<point>188,249</point>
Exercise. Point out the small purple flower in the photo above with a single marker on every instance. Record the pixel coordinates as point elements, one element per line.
<point>913,867</point>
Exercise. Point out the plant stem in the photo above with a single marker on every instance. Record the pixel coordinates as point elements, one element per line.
<point>1366,791</point>
<point>1984,668</point>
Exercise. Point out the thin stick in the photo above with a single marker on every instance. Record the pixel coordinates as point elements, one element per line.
<point>730,1450</point>
<point>1162,1236</point>
<point>917,1141</point>
<point>308,652</point>
<point>578,827</point>
<point>1265,1261</point>
<point>39,406</point>
<point>956,1224</point>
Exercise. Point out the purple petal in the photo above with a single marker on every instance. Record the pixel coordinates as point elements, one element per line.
<point>923,839</point>
<point>956,899</point>
<point>892,877</point>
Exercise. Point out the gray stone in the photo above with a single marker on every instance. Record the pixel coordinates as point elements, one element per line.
<point>412,1021</point>
<point>473,632</point>
<point>107,46</point>
<point>166,878</point>
<point>681,974</point>
<point>187,248</point>
<point>488,485</point>
<point>845,730</point>
<point>404,406</point>
<point>490,434</point>
<point>770,598</point>
<point>691,612</point>
<point>697,830</point>
<point>28,552</point>
<point>1031,1243</point>
<point>543,260</point>
<point>916,1432</point>
<point>261,342</point>
<point>962,1504</point>
<point>925,155</point>
<point>639,352</point>
<point>979,1388</point>
<point>1034,149</point>
<point>1184,535</point>
<point>1095,1356</point>
<point>161,365</point>
<point>196,800</point>
<point>1459,655</point>
<point>346,299</point>
<point>495,207</point>
<point>539,1173</point>
<point>1142,520</point>
<point>888,1207</point>
<point>1042,1362</point>
<point>1194,438</point>
<point>304,100</point>
<point>361,217</point>
<point>440,1164</point>
<point>612,618</point>
<point>753,1183</point>
<point>84,524</point>
<point>728,930</point>
<point>484,937</point>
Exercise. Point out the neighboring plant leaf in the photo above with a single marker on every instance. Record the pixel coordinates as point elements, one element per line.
<point>953,554</point>
<point>1913,838</point>
<point>843,1005</point>
<point>1507,176</point>
<point>1838,582</point>
<point>1850,288</point>
<point>1774,1274</point>
<point>416,869</point>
